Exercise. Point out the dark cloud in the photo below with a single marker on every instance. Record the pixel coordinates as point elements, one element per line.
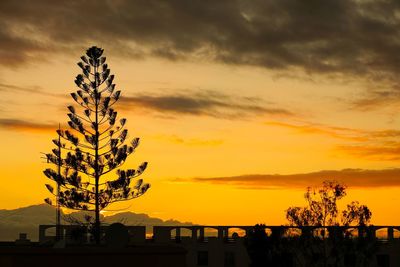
<point>358,178</point>
<point>15,48</point>
<point>334,36</point>
<point>25,126</point>
<point>206,103</point>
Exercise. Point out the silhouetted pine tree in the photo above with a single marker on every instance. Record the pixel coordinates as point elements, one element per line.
<point>94,146</point>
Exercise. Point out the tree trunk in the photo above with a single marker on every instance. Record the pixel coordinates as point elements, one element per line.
<point>97,171</point>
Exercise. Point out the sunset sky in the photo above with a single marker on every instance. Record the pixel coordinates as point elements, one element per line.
<point>240,105</point>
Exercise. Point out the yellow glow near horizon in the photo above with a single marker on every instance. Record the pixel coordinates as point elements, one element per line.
<point>188,146</point>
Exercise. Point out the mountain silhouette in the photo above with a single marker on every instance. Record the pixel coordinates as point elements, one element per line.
<point>28,219</point>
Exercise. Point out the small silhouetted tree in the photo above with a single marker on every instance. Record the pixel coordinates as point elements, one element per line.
<point>322,208</point>
<point>322,211</point>
<point>94,146</point>
<point>356,214</point>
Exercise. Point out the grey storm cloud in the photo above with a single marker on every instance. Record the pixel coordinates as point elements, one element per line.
<point>205,103</point>
<point>333,36</point>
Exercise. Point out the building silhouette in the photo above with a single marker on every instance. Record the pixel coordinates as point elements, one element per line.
<point>214,246</point>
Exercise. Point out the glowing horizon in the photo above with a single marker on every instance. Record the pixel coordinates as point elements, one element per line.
<point>234,127</point>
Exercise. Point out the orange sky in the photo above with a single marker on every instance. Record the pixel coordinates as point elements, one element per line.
<point>205,114</point>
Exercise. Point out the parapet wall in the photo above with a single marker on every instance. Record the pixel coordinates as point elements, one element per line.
<point>162,234</point>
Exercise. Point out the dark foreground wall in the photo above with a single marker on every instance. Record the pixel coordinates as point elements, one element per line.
<point>140,256</point>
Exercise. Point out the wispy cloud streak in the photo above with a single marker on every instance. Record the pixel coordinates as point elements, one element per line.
<point>338,132</point>
<point>376,99</point>
<point>189,141</point>
<point>357,178</point>
<point>26,126</point>
<point>28,90</point>
<point>368,144</point>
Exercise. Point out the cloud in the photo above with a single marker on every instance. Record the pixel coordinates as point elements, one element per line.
<point>331,131</point>
<point>25,126</point>
<point>206,103</point>
<point>384,151</point>
<point>374,99</point>
<point>335,36</point>
<point>379,145</point>
<point>338,132</point>
<point>190,141</point>
<point>358,178</point>
<point>28,89</point>
<point>15,48</point>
